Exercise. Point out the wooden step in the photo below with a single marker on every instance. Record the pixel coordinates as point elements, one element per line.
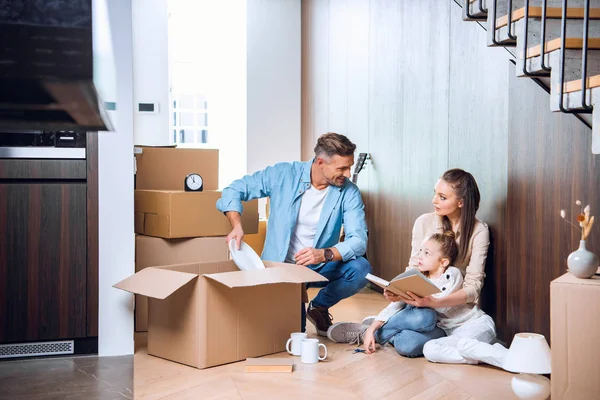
<point>551,12</point>
<point>570,43</point>
<point>574,86</point>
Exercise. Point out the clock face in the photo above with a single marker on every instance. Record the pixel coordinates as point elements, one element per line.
<point>194,182</point>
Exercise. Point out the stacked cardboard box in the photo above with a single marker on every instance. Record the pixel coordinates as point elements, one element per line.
<point>202,310</point>
<point>164,209</point>
<point>175,226</point>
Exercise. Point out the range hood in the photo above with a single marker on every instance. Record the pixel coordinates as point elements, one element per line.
<point>56,68</point>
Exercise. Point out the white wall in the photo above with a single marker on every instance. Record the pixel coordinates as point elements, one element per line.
<point>224,49</point>
<point>273,82</point>
<point>151,66</point>
<point>115,181</point>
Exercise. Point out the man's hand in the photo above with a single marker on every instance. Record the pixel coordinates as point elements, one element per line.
<point>236,234</point>
<point>309,256</point>
<point>369,341</point>
<point>418,301</point>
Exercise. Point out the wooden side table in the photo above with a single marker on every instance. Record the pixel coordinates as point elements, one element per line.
<point>575,337</point>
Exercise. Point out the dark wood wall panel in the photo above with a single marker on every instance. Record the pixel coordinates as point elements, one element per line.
<point>42,169</point>
<point>419,88</point>
<point>315,73</point>
<point>408,126</point>
<point>92,234</point>
<point>478,140</point>
<point>550,167</point>
<point>42,261</point>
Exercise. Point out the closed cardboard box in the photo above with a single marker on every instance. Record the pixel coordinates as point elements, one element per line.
<point>575,325</point>
<point>152,251</point>
<point>208,314</point>
<point>178,214</point>
<point>161,168</point>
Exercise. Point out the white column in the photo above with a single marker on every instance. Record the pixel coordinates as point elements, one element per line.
<point>115,181</point>
<point>151,65</point>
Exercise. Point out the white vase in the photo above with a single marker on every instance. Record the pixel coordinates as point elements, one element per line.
<point>582,263</point>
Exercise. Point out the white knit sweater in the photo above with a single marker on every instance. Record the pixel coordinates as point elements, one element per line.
<point>448,317</point>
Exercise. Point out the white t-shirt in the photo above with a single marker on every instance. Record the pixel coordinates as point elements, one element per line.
<point>308,218</point>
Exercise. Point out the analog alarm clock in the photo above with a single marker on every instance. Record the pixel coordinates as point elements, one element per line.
<point>193,183</point>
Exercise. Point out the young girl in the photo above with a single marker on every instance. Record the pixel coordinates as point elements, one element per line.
<point>398,322</point>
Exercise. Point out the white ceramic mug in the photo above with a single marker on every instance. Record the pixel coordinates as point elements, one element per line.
<point>296,342</point>
<point>310,351</point>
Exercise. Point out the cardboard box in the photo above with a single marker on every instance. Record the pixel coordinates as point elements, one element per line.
<point>152,251</point>
<point>574,327</point>
<point>160,168</point>
<point>178,214</point>
<point>208,314</point>
<point>257,240</point>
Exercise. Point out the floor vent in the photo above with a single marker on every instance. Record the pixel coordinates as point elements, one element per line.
<point>36,349</point>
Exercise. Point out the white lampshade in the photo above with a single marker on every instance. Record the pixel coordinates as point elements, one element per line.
<point>529,353</point>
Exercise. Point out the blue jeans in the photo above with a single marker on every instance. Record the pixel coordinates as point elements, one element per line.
<point>345,279</point>
<point>409,329</point>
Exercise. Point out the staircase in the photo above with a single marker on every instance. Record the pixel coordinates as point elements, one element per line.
<point>554,42</point>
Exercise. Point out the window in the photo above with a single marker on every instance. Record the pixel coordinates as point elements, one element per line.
<point>188,80</point>
<point>189,118</point>
<point>207,80</point>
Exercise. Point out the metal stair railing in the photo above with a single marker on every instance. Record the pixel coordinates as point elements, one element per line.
<point>542,41</point>
<point>494,16</point>
<point>585,108</point>
<point>471,16</point>
<point>509,26</point>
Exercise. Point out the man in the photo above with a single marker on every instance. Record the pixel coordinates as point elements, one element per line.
<point>309,203</point>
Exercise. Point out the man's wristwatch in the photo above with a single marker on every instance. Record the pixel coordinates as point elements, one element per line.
<point>328,255</point>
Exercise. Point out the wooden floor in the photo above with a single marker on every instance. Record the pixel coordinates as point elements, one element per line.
<point>344,375</point>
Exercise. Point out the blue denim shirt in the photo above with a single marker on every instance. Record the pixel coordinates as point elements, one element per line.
<point>284,184</point>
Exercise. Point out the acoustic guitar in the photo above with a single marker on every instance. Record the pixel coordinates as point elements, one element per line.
<point>358,166</point>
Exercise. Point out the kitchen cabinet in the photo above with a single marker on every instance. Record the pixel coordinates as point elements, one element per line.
<point>42,261</point>
<point>49,249</point>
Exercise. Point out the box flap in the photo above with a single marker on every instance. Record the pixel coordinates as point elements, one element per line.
<point>277,274</point>
<point>155,282</point>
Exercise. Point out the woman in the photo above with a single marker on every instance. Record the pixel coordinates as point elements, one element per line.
<point>456,201</point>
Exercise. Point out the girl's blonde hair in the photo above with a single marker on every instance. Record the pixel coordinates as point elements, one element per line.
<point>447,242</point>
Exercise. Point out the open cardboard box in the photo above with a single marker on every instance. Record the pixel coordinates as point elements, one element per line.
<point>153,251</point>
<point>211,313</point>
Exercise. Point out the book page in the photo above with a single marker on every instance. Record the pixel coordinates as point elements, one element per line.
<point>382,283</point>
<point>416,283</point>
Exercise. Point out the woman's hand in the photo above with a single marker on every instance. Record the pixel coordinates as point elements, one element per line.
<point>369,341</point>
<point>391,296</point>
<point>418,301</point>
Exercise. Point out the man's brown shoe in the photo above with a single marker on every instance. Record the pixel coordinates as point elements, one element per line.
<point>319,317</point>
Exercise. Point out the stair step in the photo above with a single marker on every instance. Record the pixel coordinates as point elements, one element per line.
<point>570,43</point>
<point>551,12</point>
<point>575,86</point>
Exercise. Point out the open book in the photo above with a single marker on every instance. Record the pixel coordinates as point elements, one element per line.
<point>410,281</point>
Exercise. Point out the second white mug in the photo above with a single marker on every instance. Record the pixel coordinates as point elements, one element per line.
<point>310,351</point>
<point>296,343</point>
